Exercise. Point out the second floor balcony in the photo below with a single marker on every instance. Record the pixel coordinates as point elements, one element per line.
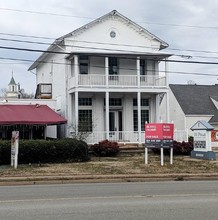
<point>124,81</point>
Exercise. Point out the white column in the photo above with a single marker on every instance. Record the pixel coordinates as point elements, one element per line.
<point>157,109</point>
<point>167,108</point>
<point>139,116</point>
<point>76,72</point>
<point>76,69</point>
<point>70,111</point>
<point>107,113</point>
<point>167,93</point>
<point>106,71</point>
<point>76,112</point>
<point>138,71</point>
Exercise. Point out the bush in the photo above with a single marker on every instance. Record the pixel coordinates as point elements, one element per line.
<point>46,151</point>
<point>179,148</point>
<point>105,148</point>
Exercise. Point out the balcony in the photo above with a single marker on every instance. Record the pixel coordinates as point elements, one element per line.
<point>124,81</point>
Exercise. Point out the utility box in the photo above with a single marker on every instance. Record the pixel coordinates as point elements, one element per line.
<point>202,141</point>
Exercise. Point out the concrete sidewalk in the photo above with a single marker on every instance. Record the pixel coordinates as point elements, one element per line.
<point>30,180</point>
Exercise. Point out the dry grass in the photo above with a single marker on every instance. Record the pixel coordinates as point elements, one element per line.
<point>115,165</point>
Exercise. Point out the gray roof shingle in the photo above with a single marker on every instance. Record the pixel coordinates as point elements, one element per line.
<point>196,99</point>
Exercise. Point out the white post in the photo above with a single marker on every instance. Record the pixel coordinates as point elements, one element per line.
<point>171,155</point>
<point>146,155</point>
<point>76,72</point>
<point>14,148</point>
<point>107,114</point>
<point>106,71</point>
<point>76,112</point>
<point>157,107</point>
<point>161,156</point>
<point>167,94</point>
<point>139,116</point>
<point>76,69</point>
<point>138,71</point>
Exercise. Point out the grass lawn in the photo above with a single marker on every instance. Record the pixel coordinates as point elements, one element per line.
<point>122,164</point>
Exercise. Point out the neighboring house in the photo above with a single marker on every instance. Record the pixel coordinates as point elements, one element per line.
<point>33,118</point>
<point>106,79</point>
<point>191,103</point>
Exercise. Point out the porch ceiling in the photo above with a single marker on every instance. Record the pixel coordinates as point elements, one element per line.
<point>153,56</point>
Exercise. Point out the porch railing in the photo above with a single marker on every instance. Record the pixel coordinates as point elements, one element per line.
<point>97,80</point>
<point>131,137</point>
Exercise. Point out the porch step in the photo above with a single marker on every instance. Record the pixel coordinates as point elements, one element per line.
<point>131,149</point>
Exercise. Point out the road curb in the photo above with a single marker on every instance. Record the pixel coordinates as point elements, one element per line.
<point>105,178</point>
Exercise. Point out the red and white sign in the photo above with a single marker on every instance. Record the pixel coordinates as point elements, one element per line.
<point>159,131</point>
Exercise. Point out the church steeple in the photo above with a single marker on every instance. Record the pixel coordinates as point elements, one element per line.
<point>12,88</point>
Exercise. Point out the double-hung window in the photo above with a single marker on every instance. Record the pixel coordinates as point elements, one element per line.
<point>144,114</point>
<point>85,115</point>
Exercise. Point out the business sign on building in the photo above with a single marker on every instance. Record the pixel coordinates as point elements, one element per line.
<point>159,135</point>
<point>214,135</point>
<point>200,139</point>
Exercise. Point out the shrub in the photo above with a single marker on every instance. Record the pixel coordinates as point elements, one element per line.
<point>105,148</point>
<point>46,151</point>
<point>179,148</point>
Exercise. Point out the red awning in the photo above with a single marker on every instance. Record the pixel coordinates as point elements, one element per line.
<point>29,115</point>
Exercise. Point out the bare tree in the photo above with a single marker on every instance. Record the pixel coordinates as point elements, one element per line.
<point>3,92</point>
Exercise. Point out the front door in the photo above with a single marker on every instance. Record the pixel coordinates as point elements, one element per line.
<point>115,124</point>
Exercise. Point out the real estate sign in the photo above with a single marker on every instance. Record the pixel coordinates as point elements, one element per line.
<point>159,135</point>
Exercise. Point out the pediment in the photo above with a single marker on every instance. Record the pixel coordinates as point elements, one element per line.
<point>113,32</point>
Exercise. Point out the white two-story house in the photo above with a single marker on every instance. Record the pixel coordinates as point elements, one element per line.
<point>106,79</point>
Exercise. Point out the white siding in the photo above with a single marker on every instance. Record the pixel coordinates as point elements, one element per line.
<point>100,33</point>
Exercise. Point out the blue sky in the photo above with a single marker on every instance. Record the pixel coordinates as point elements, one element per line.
<point>188,26</point>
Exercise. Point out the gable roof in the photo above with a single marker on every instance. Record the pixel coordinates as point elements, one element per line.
<point>196,99</point>
<point>116,13</point>
<point>29,115</point>
<point>60,40</point>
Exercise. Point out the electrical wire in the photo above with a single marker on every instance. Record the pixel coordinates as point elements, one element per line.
<point>101,67</point>
<point>92,18</point>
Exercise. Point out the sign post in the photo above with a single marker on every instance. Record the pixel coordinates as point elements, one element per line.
<point>159,135</point>
<point>14,148</point>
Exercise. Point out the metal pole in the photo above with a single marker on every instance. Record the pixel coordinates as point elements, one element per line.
<point>146,155</point>
<point>161,156</point>
<point>171,155</point>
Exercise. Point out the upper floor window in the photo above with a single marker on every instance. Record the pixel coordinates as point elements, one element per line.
<point>143,67</point>
<point>113,66</point>
<point>83,64</point>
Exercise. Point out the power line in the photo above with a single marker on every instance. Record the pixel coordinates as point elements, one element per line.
<point>45,13</point>
<point>100,43</point>
<point>104,49</point>
<point>92,18</point>
<point>101,67</point>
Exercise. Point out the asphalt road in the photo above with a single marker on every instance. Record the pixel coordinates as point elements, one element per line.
<point>151,200</point>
